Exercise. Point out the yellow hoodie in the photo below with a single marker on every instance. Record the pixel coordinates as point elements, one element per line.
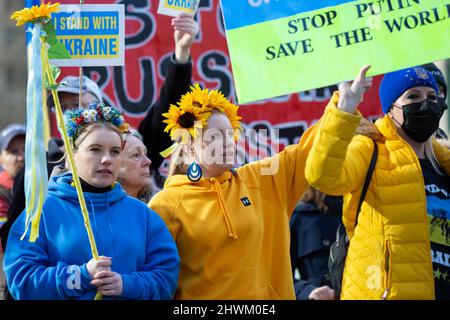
<point>232,231</point>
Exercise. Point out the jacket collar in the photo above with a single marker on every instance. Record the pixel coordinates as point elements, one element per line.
<point>387,128</point>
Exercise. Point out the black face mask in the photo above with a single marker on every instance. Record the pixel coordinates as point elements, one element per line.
<point>421,119</point>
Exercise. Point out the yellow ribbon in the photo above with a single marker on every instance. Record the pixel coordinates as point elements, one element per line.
<point>166,153</point>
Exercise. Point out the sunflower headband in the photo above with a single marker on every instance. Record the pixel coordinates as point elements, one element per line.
<point>193,112</point>
<point>76,120</point>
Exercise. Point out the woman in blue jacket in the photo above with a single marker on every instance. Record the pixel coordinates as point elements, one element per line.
<point>139,257</point>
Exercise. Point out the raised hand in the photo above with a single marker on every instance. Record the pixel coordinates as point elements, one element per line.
<point>185,31</point>
<point>351,93</point>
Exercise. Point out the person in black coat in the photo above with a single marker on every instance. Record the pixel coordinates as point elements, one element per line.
<point>176,84</point>
<point>313,228</point>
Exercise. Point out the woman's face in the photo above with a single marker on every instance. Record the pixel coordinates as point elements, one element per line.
<point>98,157</point>
<point>12,159</point>
<point>218,145</point>
<point>413,95</point>
<point>134,172</point>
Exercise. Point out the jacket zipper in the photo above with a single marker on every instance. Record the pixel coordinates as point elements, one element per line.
<point>387,269</point>
<point>424,208</point>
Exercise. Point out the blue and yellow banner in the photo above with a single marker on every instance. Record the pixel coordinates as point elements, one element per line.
<point>281,47</point>
<point>94,35</point>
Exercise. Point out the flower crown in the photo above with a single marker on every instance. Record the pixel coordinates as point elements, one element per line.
<point>194,110</point>
<point>76,120</point>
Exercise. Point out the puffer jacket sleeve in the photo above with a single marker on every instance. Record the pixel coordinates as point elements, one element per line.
<point>338,161</point>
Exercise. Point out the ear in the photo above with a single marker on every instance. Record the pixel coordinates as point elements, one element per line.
<point>74,152</point>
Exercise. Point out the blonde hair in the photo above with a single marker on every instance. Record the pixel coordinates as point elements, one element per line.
<point>444,142</point>
<point>176,164</point>
<point>95,125</point>
<point>429,154</point>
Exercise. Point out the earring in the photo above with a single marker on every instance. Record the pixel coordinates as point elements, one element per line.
<point>194,172</point>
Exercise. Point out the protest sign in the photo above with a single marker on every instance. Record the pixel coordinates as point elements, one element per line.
<point>94,35</point>
<point>281,47</point>
<point>134,87</point>
<point>175,7</point>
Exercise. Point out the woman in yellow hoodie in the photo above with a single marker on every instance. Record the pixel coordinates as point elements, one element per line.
<point>405,213</point>
<point>231,226</point>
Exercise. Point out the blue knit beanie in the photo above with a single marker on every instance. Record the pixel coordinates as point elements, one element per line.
<point>394,84</point>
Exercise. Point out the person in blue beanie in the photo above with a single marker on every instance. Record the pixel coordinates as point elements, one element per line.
<point>139,259</point>
<point>416,102</point>
<point>400,239</point>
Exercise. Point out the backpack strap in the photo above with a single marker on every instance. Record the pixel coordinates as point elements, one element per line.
<point>369,174</point>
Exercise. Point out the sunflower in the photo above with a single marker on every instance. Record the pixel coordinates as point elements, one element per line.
<point>34,13</point>
<point>231,112</point>
<point>193,111</point>
<point>218,101</point>
<point>184,120</point>
<point>197,97</point>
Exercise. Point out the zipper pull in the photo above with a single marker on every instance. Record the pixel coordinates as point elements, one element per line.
<point>385,294</point>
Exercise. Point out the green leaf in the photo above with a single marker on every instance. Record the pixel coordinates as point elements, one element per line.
<point>49,29</point>
<point>55,86</point>
<point>58,51</point>
<point>51,86</point>
<point>55,71</point>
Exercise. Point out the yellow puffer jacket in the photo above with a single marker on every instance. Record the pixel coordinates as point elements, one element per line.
<point>389,254</point>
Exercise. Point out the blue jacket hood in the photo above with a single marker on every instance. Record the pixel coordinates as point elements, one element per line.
<point>60,187</point>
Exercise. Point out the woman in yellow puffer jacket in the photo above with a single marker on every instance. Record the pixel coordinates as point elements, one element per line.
<point>389,253</point>
<point>231,226</point>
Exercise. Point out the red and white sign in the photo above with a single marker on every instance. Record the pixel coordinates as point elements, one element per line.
<point>148,45</point>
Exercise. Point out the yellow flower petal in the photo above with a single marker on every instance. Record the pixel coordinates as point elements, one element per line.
<point>34,13</point>
<point>200,103</point>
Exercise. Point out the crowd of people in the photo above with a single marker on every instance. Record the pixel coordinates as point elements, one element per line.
<point>262,230</point>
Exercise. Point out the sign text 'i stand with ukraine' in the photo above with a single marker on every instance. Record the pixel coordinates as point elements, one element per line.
<point>280,47</point>
<point>94,35</point>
